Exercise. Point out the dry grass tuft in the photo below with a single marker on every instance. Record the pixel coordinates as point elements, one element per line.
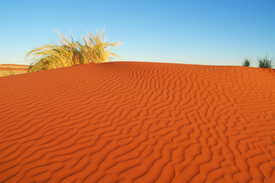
<point>94,49</point>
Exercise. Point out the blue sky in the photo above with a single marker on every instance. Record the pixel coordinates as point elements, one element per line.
<point>208,32</point>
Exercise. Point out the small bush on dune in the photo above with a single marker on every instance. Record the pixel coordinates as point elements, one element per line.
<point>265,63</point>
<point>94,49</point>
<point>246,62</point>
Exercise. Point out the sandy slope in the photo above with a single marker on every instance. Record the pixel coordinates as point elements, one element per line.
<point>138,122</point>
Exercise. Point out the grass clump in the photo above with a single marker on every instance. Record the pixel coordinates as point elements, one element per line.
<point>246,62</point>
<point>265,63</point>
<point>94,49</point>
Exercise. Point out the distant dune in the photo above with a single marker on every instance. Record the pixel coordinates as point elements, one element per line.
<point>12,69</point>
<point>138,122</point>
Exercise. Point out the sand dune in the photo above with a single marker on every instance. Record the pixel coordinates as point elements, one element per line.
<point>138,122</point>
<point>12,69</point>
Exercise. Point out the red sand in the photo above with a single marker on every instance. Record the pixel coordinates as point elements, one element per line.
<point>138,122</point>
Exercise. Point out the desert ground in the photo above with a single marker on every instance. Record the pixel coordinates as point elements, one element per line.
<point>138,122</point>
<point>12,69</point>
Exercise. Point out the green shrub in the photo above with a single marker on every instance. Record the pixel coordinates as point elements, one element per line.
<point>265,63</point>
<point>246,62</point>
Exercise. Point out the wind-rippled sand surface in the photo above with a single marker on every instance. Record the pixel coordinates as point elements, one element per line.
<point>138,122</point>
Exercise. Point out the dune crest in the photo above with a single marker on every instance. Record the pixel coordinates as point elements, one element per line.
<point>138,122</point>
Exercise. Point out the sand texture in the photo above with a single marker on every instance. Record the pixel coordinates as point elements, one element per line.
<point>138,122</point>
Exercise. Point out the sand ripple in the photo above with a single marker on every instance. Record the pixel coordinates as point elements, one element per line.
<point>138,122</point>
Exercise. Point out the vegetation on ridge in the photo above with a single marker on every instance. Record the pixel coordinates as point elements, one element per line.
<point>94,49</point>
<point>265,63</point>
<point>246,62</point>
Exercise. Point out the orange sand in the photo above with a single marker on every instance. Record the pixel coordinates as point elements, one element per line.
<point>138,122</point>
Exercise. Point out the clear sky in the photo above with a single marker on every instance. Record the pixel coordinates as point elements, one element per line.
<point>208,32</point>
